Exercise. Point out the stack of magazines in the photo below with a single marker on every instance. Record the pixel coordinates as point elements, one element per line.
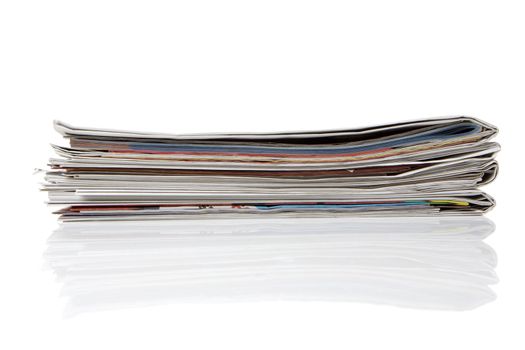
<point>417,168</point>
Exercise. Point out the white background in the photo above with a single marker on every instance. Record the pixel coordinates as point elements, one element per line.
<point>196,66</point>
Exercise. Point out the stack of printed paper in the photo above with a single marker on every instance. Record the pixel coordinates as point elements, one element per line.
<point>425,167</point>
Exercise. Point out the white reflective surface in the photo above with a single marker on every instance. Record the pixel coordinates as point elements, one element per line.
<point>429,263</point>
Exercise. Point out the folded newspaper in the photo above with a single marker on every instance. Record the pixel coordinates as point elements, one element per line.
<point>416,168</point>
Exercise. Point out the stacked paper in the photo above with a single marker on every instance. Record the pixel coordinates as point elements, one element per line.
<point>425,167</point>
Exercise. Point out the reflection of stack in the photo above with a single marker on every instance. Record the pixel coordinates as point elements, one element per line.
<point>420,168</point>
<point>422,263</point>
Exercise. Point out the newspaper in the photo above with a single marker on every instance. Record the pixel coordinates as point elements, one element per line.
<point>416,168</point>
